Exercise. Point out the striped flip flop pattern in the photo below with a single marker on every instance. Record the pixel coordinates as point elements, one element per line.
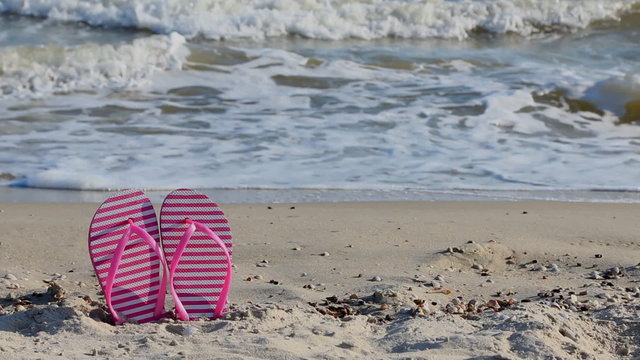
<point>202,268</point>
<point>137,283</point>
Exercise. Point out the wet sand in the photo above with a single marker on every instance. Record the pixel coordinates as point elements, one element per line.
<point>350,280</point>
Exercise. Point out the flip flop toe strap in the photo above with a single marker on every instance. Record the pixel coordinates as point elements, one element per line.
<point>115,264</point>
<point>224,293</point>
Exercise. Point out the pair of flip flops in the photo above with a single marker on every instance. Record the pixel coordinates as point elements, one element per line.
<point>134,258</point>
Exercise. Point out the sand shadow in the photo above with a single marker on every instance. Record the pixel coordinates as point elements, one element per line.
<point>49,319</point>
<point>37,312</point>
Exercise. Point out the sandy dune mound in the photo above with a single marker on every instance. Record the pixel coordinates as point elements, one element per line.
<point>492,256</point>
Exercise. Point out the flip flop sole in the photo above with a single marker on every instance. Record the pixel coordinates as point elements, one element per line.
<point>202,268</point>
<point>137,281</point>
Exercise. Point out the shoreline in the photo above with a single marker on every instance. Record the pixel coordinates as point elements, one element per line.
<point>267,196</point>
<point>540,256</point>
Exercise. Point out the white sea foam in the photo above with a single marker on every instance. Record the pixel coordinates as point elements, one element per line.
<point>327,19</point>
<point>40,70</point>
<point>316,114</point>
<point>382,128</point>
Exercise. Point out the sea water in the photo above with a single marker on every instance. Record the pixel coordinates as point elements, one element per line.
<point>361,95</point>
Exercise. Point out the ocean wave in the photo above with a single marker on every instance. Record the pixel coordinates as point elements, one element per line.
<point>41,70</point>
<point>329,19</point>
<point>619,94</point>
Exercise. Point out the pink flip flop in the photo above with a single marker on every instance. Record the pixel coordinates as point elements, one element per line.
<point>124,250</point>
<point>196,241</point>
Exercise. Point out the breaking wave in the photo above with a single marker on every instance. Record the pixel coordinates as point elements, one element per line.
<point>329,19</point>
<point>41,70</point>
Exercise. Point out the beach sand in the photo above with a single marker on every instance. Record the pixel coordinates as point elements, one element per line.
<point>420,280</point>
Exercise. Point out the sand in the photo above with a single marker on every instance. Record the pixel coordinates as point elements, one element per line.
<point>406,280</point>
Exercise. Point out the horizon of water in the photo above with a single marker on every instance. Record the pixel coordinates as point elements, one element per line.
<point>386,96</point>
